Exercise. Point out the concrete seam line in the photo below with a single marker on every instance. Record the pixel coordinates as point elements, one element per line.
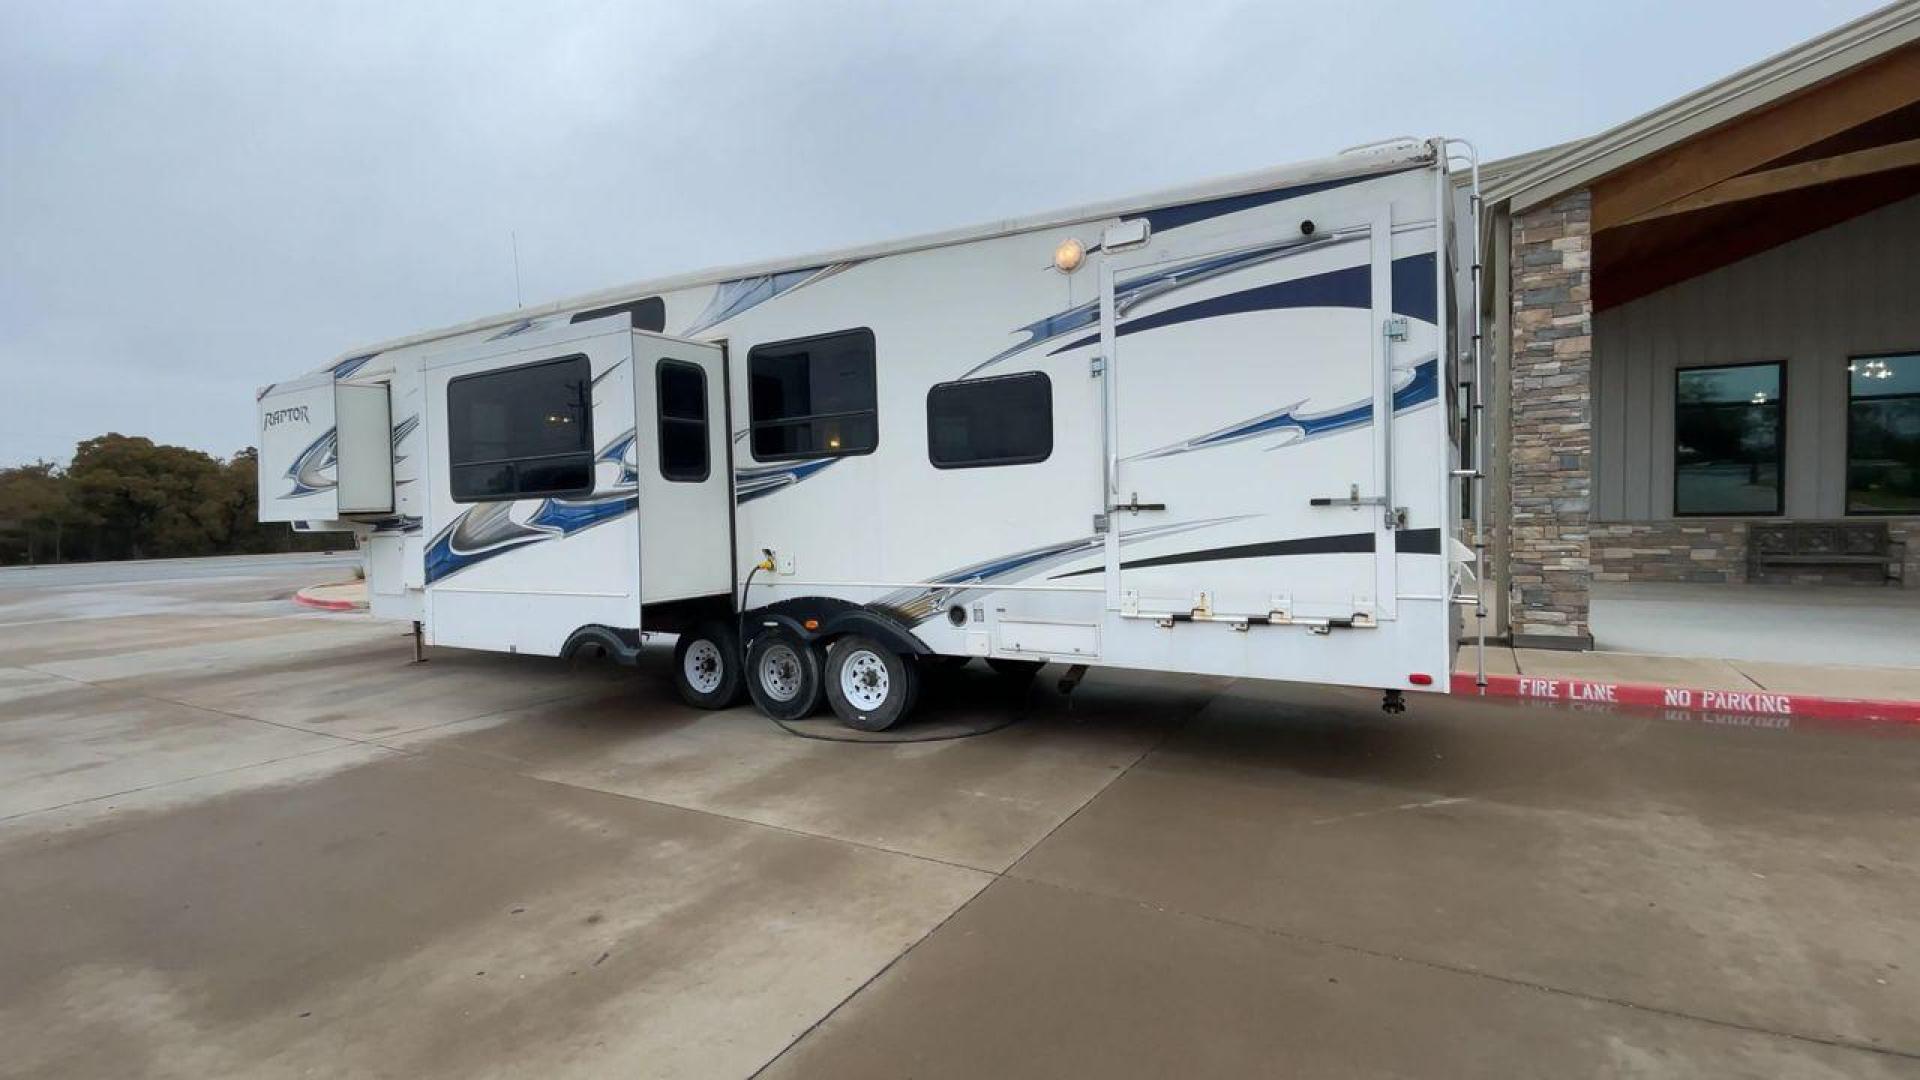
<point>875,977</point>
<point>1480,973</point>
<point>1172,730</point>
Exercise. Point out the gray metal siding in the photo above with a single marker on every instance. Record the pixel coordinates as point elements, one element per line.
<point>1843,291</point>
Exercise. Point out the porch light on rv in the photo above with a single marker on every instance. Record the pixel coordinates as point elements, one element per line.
<point>1068,256</point>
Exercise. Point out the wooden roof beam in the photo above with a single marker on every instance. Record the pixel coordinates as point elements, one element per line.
<point>1875,159</point>
<point>1752,141</point>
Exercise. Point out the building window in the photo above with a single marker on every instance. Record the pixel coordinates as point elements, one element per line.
<point>1883,434</point>
<point>682,389</point>
<point>813,397</point>
<point>1000,421</point>
<point>521,431</point>
<point>1729,434</point>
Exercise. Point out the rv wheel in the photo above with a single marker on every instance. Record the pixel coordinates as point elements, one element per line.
<point>783,675</point>
<point>706,666</point>
<point>871,686</point>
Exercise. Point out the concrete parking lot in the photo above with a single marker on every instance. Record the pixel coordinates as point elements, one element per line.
<point>238,838</point>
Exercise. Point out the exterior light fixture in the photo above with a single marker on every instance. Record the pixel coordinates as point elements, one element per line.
<point>1068,256</point>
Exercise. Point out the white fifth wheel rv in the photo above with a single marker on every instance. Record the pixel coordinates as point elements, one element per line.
<point>1214,430</point>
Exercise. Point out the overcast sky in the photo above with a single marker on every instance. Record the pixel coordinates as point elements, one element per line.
<point>196,199</point>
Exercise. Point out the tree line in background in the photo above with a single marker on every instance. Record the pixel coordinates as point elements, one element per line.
<point>127,497</point>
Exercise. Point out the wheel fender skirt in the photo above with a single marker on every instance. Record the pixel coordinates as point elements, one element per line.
<point>846,620</point>
<point>876,626</point>
<point>622,645</point>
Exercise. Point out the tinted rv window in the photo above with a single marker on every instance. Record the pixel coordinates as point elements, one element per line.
<point>1002,421</point>
<point>683,420</point>
<point>813,397</point>
<point>522,431</point>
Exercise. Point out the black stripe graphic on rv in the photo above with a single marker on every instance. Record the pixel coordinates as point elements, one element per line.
<point>1412,542</point>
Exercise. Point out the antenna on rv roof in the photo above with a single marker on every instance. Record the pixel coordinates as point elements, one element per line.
<point>514,235</point>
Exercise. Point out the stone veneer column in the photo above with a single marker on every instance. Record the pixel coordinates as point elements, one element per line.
<point>1550,424</point>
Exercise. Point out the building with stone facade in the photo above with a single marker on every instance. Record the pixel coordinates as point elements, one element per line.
<point>1705,338</point>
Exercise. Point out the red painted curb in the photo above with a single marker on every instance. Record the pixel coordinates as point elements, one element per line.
<point>302,598</point>
<point>1691,699</point>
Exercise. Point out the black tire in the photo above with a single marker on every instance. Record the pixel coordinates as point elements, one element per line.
<point>783,675</point>
<point>1009,668</point>
<point>883,684</point>
<point>707,666</point>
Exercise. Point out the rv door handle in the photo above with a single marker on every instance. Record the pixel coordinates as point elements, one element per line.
<point>1354,498</point>
<point>1134,505</point>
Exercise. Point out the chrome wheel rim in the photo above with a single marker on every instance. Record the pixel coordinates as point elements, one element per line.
<point>780,672</point>
<point>864,681</point>
<point>703,666</point>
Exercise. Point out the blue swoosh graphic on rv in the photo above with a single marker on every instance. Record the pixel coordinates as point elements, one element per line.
<point>758,483</point>
<point>1352,287</point>
<point>309,464</point>
<point>486,531</point>
<point>918,603</point>
<point>1172,217</point>
<point>351,364</point>
<point>1422,386</point>
<point>321,455</point>
<point>730,298</point>
<point>1413,296</point>
<point>1136,289</point>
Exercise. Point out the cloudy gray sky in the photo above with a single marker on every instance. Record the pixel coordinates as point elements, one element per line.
<point>198,198</point>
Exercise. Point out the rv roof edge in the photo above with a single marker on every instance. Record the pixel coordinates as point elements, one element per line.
<point>1360,161</point>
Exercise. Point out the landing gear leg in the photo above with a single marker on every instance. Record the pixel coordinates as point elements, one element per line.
<point>1394,703</point>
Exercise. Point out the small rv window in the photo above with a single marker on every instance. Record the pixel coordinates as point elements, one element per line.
<point>1002,421</point>
<point>521,431</point>
<point>813,397</point>
<point>683,420</point>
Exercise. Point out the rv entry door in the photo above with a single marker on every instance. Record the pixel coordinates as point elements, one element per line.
<point>1248,396</point>
<point>685,479</point>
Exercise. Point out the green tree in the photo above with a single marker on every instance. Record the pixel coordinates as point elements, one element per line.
<point>35,513</point>
<point>148,500</point>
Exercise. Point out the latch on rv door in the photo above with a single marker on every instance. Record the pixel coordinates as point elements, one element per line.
<point>1354,499</point>
<point>1396,516</point>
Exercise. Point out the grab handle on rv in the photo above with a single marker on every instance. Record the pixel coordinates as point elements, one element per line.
<point>1134,505</point>
<point>1353,498</point>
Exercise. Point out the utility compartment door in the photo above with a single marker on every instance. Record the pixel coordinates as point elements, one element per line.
<point>685,482</point>
<point>1249,390</point>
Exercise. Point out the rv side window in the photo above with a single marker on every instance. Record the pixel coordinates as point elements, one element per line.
<point>683,420</point>
<point>1001,421</point>
<point>813,397</point>
<point>522,431</point>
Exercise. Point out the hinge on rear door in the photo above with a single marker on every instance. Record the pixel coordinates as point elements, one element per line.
<point>1097,367</point>
<point>1396,328</point>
